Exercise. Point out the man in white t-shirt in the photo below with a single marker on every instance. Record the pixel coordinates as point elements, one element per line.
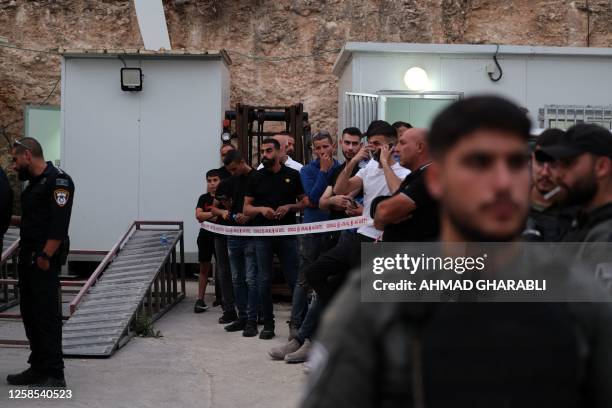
<point>283,139</point>
<point>382,175</point>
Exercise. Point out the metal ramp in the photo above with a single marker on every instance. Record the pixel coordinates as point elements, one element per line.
<point>138,278</point>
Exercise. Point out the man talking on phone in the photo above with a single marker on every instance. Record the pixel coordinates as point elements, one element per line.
<point>382,175</point>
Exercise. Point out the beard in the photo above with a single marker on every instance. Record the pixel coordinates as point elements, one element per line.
<point>582,192</point>
<point>473,233</point>
<point>348,156</point>
<point>547,183</point>
<point>23,174</point>
<point>268,163</point>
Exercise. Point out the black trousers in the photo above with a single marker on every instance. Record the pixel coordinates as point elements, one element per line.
<point>327,274</point>
<point>41,312</point>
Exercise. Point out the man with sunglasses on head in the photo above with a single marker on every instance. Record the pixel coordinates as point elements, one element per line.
<point>46,204</point>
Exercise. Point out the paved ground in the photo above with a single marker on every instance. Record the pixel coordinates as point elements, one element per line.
<point>195,364</point>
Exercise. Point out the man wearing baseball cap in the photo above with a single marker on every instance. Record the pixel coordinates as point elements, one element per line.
<point>583,160</point>
<point>549,220</point>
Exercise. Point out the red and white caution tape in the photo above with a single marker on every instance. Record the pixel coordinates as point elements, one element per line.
<point>291,229</point>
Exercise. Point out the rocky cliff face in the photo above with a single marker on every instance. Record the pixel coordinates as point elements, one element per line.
<point>271,29</point>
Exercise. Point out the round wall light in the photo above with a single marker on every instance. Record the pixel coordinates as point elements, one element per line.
<point>416,79</point>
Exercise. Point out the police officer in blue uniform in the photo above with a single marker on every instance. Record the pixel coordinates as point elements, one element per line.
<point>46,204</point>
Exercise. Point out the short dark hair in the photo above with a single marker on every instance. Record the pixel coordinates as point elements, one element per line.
<point>468,115</point>
<point>28,143</point>
<point>322,135</point>
<point>399,124</point>
<point>213,173</point>
<point>380,127</point>
<point>269,140</point>
<point>233,156</point>
<point>353,131</point>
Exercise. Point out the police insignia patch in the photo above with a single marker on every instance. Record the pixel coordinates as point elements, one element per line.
<point>61,197</point>
<point>61,182</point>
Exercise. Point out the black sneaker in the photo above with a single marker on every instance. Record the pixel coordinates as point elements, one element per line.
<point>268,331</point>
<point>200,306</point>
<point>250,330</point>
<point>238,325</point>
<point>26,377</point>
<point>228,317</point>
<point>50,382</point>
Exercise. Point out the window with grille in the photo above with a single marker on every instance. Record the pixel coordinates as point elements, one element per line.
<point>564,116</point>
<point>360,110</point>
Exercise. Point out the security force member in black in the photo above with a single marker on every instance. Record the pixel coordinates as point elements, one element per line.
<point>46,204</point>
<point>583,164</point>
<point>460,354</point>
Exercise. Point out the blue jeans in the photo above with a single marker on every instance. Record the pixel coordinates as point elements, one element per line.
<point>243,264</point>
<point>311,321</point>
<point>222,269</point>
<point>286,248</point>
<point>312,247</point>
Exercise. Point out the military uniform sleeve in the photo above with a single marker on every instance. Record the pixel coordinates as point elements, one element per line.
<point>344,357</point>
<point>62,196</point>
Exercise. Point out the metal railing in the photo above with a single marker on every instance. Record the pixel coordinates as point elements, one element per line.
<point>9,291</point>
<point>163,293</point>
<point>101,267</point>
<point>164,290</point>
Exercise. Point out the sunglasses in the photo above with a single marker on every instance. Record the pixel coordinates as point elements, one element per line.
<point>18,143</point>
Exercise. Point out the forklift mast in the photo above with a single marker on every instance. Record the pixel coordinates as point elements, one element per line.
<point>249,129</point>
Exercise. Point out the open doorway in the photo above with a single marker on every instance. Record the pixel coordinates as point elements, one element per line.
<point>418,109</point>
<point>42,122</point>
